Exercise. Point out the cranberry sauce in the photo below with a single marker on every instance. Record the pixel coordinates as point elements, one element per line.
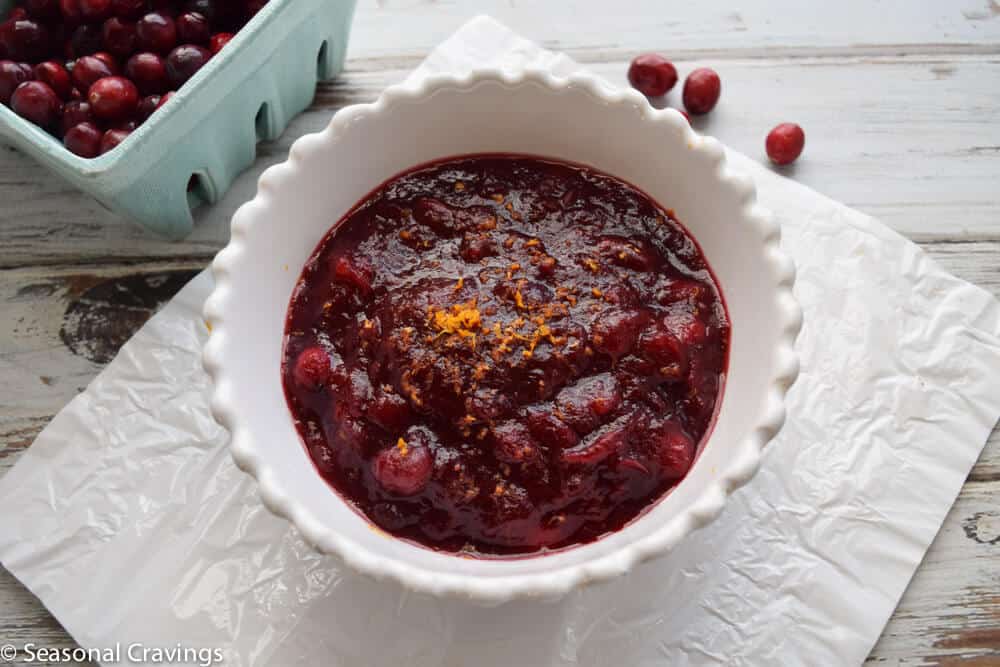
<point>501,355</point>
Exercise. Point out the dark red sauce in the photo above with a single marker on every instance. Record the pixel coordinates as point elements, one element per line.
<point>502,355</point>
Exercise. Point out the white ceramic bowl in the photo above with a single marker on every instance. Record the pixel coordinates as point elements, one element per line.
<point>577,119</point>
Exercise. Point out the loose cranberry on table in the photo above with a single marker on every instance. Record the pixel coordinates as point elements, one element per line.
<point>113,98</point>
<point>37,102</point>
<point>479,363</point>
<point>56,76</point>
<point>652,75</point>
<point>701,90</point>
<point>184,61</point>
<point>12,75</point>
<point>784,143</point>
<point>84,139</point>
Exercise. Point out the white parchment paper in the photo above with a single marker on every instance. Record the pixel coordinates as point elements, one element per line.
<point>130,522</point>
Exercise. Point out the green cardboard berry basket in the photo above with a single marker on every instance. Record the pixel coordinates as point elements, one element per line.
<point>208,132</point>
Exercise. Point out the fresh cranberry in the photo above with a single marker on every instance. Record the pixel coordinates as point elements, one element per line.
<point>206,8</point>
<point>88,70</point>
<point>84,139</point>
<point>95,10</point>
<point>193,28</point>
<point>219,40</point>
<point>37,102</point>
<point>701,90</point>
<point>112,138</point>
<point>166,98</point>
<point>184,61</point>
<point>254,6</point>
<point>312,368</point>
<point>74,113</point>
<point>405,468</point>
<point>56,76</point>
<point>149,72</point>
<point>12,75</point>
<point>652,74</point>
<point>113,98</point>
<point>119,36</point>
<point>109,60</point>
<point>128,9</point>
<point>70,10</point>
<point>147,106</point>
<point>17,14</point>
<point>785,143</point>
<point>85,41</point>
<point>156,32</point>
<point>24,40</point>
<point>43,10</point>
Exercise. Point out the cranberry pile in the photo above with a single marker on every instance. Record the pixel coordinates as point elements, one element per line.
<point>654,76</point>
<point>501,354</point>
<point>91,71</point>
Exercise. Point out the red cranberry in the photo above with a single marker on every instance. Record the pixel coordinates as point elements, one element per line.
<point>74,113</point>
<point>24,40</point>
<point>37,102</point>
<point>149,72</point>
<point>615,333</point>
<point>113,98</point>
<point>701,90</point>
<point>43,10</point>
<point>95,10</point>
<point>785,143</point>
<point>12,75</point>
<point>166,98</point>
<point>84,139</point>
<point>184,61</point>
<point>108,60</point>
<point>254,6</point>
<point>85,41</point>
<point>70,10</point>
<point>219,40</point>
<point>192,28</point>
<point>88,70</point>
<point>405,468</point>
<point>17,14</point>
<point>512,443</point>
<point>673,450</point>
<point>390,411</point>
<point>147,106</point>
<point>112,138</point>
<point>128,9</point>
<point>56,76</point>
<point>157,32</point>
<point>119,37</point>
<point>206,8</point>
<point>652,74</point>
<point>312,368</point>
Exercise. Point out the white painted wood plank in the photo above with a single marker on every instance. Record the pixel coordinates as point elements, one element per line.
<point>393,28</point>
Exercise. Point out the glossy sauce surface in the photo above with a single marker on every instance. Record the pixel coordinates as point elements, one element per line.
<point>499,355</point>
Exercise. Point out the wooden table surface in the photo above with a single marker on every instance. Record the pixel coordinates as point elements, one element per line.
<point>900,100</point>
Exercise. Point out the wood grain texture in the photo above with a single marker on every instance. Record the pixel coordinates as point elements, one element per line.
<point>900,101</point>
